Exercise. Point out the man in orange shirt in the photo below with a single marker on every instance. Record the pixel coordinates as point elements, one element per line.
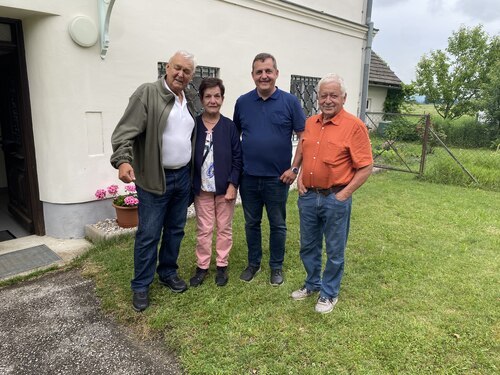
<point>336,160</point>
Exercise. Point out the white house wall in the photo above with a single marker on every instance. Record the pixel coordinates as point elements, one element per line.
<point>25,8</point>
<point>77,98</point>
<point>377,97</point>
<point>350,10</point>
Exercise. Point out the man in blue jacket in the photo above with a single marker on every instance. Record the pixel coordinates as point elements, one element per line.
<point>267,118</point>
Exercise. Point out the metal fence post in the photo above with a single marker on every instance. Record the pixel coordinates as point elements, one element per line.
<point>424,144</point>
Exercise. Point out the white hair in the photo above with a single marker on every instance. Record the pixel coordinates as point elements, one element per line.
<point>186,55</point>
<point>332,77</point>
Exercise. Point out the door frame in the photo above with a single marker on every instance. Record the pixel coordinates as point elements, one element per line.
<point>26,124</point>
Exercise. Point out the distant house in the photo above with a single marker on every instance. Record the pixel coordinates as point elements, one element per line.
<point>381,80</point>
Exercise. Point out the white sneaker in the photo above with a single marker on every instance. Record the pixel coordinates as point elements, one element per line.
<point>325,304</point>
<point>302,293</point>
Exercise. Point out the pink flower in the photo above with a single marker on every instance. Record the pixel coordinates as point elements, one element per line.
<point>100,194</point>
<point>113,189</point>
<point>131,201</point>
<point>130,188</point>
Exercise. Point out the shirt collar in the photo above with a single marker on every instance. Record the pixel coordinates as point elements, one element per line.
<point>274,96</point>
<point>168,88</point>
<point>335,120</point>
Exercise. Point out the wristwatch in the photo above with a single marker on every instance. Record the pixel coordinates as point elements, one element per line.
<point>295,170</point>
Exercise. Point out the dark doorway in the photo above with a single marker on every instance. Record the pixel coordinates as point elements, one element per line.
<point>18,178</point>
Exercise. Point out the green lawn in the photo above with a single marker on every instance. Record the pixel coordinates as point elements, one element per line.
<point>420,293</point>
<point>420,109</point>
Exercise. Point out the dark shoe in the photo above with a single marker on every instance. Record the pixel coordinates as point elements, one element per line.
<point>175,284</point>
<point>249,273</point>
<point>221,277</point>
<point>198,277</point>
<point>276,277</point>
<point>140,301</point>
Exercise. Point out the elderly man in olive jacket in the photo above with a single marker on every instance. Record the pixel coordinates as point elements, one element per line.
<point>152,146</point>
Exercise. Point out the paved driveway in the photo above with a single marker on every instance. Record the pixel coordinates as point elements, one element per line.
<point>53,325</point>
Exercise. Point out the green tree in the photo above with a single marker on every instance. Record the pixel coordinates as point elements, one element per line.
<point>491,103</point>
<point>452,79</point>
<point>490,100</point>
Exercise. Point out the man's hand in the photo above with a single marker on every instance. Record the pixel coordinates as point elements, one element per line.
<point>126,173</point>
<point>288,177</point>
<point>359,179</point>
<point>231,193</point>
<point>343,195</point>
<point>300,185</point>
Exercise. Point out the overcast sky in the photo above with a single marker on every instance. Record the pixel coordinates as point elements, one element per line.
<point>409,28</point>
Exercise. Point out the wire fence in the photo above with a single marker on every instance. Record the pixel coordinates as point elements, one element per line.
<point>397,141</point>
<point>411,143</point>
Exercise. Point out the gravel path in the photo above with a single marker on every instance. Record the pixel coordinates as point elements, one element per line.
<point>53,325</point>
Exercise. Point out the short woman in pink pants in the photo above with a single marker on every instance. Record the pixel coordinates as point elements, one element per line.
<point>217,169</point>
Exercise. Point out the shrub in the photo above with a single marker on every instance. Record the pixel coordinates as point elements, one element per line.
<point>402,129</point>
<point>464,132</point>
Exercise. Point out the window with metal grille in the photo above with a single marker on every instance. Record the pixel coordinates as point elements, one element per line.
<point>200,73</point>
<point>304,88</point>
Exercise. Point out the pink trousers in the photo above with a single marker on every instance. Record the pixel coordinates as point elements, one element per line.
<point>213,210</point>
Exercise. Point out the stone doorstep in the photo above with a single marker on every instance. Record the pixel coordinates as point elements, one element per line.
<point>108,228</point>
<point>66,249</point>
<point>95,234</point>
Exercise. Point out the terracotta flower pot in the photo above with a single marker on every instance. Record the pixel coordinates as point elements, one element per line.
<point>126,217</point>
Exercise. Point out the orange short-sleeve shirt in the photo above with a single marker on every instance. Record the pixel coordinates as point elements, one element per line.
<point>333,151</point>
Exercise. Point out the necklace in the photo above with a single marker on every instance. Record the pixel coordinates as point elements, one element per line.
<point>205,120</point>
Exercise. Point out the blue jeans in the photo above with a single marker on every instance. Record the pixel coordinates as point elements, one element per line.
<point>323,216</point>
<point>160,216</point>
<point>257,192</point>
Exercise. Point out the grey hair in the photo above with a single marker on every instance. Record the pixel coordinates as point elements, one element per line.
<point>264,56</point>
<point>332,77</point>
<point>186,55</point>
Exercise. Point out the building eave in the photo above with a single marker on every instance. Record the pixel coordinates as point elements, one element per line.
<point>299,13</point>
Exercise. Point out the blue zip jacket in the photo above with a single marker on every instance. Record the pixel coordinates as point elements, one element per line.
<point>227,154</point>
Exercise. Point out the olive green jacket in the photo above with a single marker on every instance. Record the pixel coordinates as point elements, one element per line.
<point>137,139</point>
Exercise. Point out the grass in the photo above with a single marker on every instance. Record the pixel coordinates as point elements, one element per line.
<point>32,275</point>
<point>421,108</point>
<point>419,295</point>
<point>483,164</point>
<point>410,152</point>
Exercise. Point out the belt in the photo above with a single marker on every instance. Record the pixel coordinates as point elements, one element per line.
<point>328,191</point>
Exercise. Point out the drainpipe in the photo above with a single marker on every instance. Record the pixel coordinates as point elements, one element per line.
<point>366,67</point>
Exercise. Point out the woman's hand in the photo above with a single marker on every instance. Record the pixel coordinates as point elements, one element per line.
<point>231,193</point>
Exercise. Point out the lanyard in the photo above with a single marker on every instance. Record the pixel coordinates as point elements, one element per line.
<point>208,147</point>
